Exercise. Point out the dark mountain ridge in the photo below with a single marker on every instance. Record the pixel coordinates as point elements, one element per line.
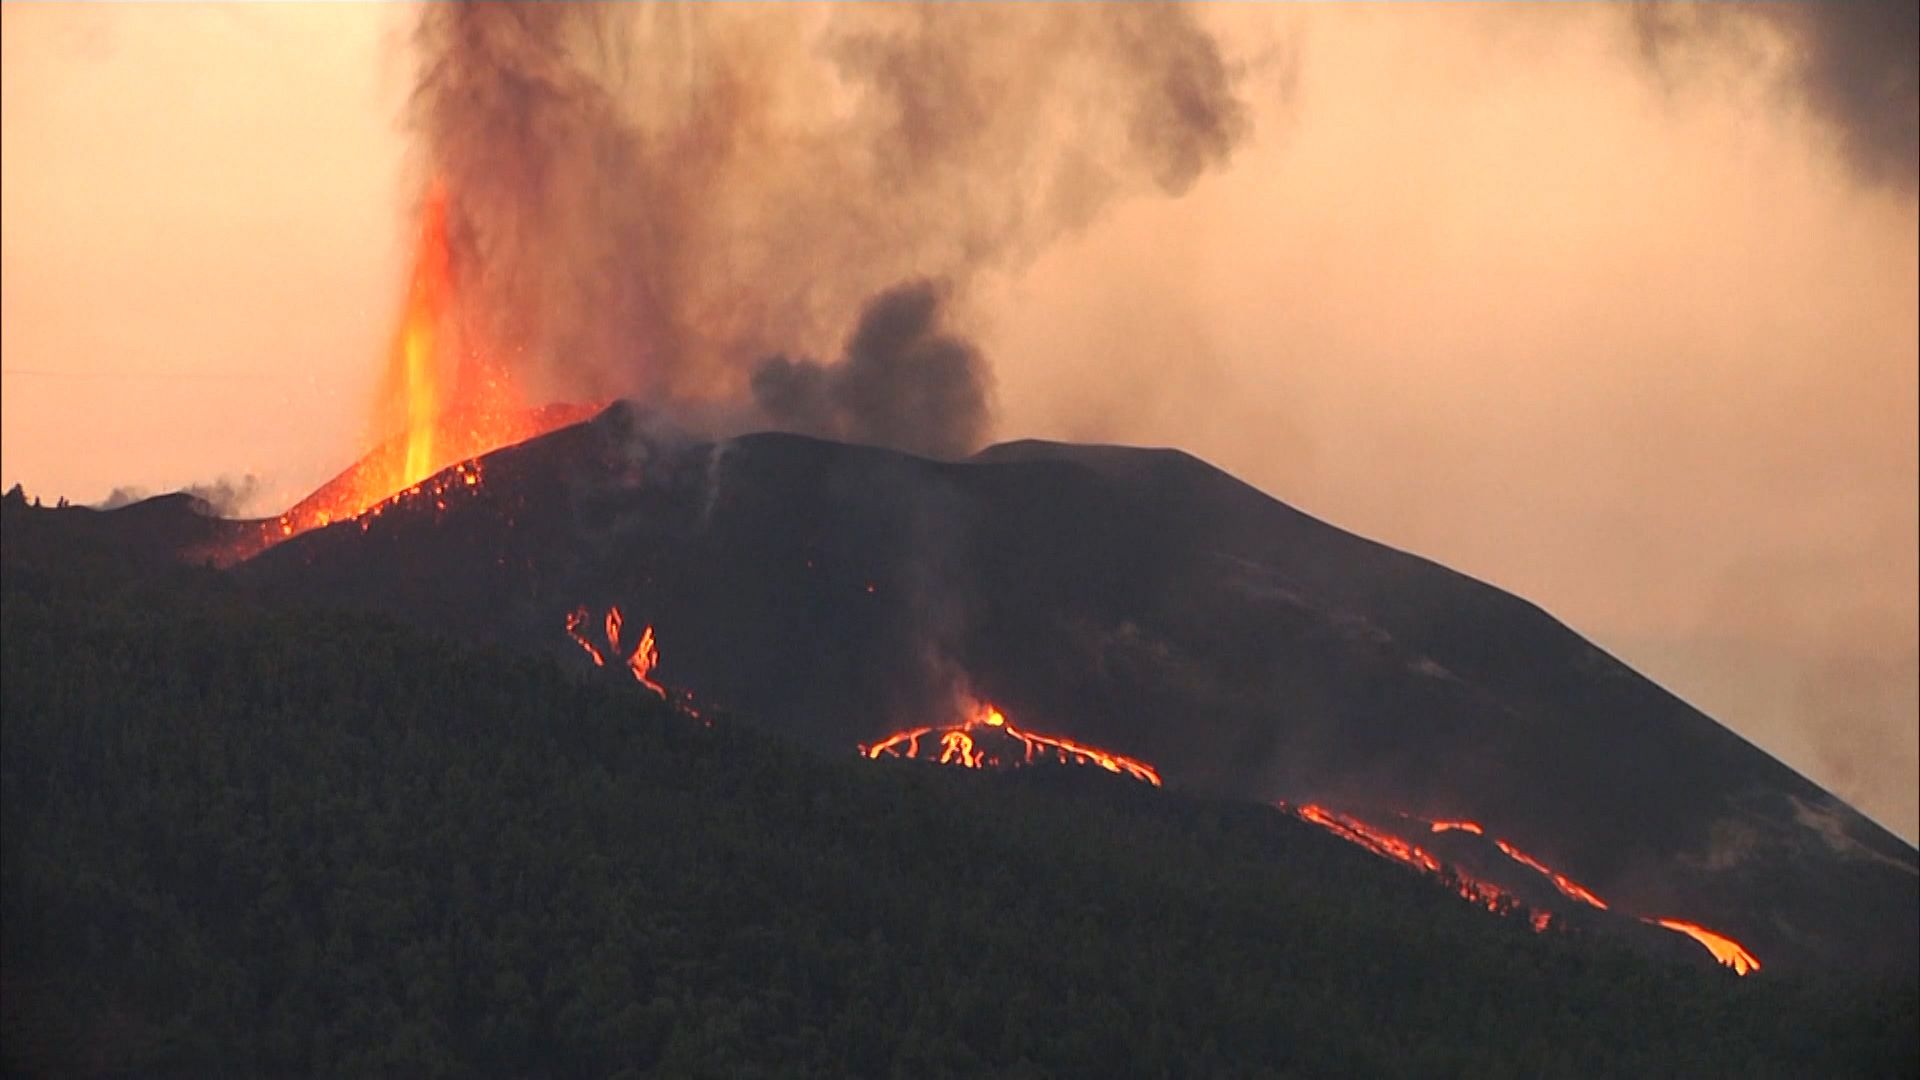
<point>1145,602</point>
<point>247,837</point>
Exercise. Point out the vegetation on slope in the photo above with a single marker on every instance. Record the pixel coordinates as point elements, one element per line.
<point>239,839</point>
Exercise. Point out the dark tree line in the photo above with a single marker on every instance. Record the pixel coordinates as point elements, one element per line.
<point>256,841</point>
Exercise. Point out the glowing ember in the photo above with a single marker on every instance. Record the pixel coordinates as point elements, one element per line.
<point>1387,845</point>
<point>958,746</point>
<point>640,662</point>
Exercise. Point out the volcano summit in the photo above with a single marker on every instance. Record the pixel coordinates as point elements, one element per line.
<point>1145,603</point>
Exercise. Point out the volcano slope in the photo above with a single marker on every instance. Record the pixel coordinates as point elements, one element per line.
<point>1141,601</point>
<point>254,839</point>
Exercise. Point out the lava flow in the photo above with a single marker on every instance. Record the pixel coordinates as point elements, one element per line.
<point>445,395</point>
<point>1388,845</point>
<point>977,742</point>
<point>1724,949</point>
<point>640,662</point>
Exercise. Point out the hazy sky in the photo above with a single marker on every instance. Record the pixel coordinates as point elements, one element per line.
<point>1636,342</point>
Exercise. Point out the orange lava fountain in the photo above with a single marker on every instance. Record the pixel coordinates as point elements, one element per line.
<point>1387,845</point>
<point>445,394</point>
<point>972,744</point>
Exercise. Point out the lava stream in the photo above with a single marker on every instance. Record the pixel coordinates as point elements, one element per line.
<point>575,620</point>
<point>1567,886</point>
<point>970,744</point>
<point>1724,949</point>
<point>1387,845</point>
<point>640,662</point>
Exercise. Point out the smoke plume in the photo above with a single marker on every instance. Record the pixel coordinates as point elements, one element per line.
<point>1853,64</point>
<point>648,201</point>
<point>903,383</point>
<point>226,497</point>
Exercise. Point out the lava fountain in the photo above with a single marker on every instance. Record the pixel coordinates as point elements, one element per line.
<point>446,397</point>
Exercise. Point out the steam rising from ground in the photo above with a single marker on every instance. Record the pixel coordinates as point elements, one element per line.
<point>649,201</point>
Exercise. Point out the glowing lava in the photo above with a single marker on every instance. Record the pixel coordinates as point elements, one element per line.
<point>640,662</point>
<point>1724,949</point>
<point>1567,886</point>
<point>445,397</point>
<point>977,742</point>
<point>1388,845</point>
<point>575,620</point>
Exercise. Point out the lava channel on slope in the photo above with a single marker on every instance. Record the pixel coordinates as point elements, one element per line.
<point>639,662</point>
<point>986,739</point>
<point>1388,843</point>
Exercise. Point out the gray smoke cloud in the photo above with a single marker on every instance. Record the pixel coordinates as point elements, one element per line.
<point>1854,64</point>
<point>225,497</point>
<point>649,200</point>
<point>902,382</point>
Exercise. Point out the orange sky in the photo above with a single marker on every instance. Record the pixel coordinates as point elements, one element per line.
<point>1480,286</point>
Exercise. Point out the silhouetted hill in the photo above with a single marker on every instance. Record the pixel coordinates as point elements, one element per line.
<point>243,837</point>
<point>1143,601</point>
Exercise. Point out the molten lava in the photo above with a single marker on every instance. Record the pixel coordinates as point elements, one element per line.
<point>1724,949</point>
<point>640,662</point>
<point>1567,886</point>
<point>446,398</point>
<point>1387,845</point>
<point>575,620</point>
<point>977,742</point>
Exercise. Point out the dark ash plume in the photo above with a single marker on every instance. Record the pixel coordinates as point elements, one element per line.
<point>902,383</point>
<point>647,200</point>
<point>1855,65</point>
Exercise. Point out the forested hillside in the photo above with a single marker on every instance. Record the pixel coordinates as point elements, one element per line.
<point>262,841</point>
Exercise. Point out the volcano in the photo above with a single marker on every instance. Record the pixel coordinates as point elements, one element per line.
<point>1145,603</point>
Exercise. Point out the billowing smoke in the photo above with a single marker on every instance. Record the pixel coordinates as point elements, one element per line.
<point>1854,65</point>
<point>648,201</point>
<point>902,383</point>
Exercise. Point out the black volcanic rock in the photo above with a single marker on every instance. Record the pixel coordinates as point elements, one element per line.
<point>156,531</point>
<point>1147,603</point>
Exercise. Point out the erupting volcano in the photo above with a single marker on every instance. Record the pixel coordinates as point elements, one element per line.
<point>1387,844</point>
<point>445,396</point>
<point>1246,650</point>
<point>986,740</point>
